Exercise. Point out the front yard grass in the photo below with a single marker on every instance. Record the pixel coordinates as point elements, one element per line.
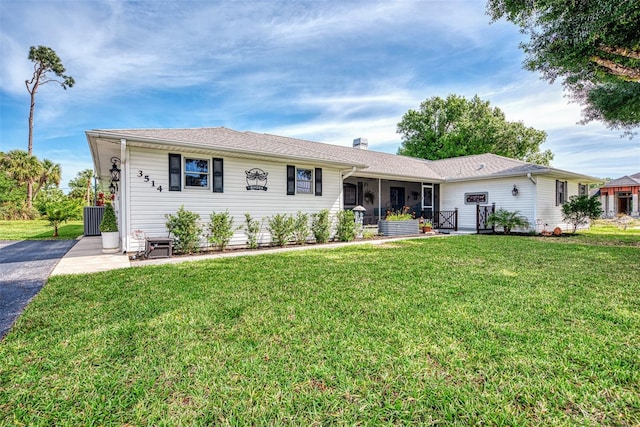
<point>39,230</point>
<point>465,330</point>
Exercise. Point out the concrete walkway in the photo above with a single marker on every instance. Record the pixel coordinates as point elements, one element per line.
<point>87,256</point>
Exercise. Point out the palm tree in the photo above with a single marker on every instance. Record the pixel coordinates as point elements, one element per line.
<point>507,220</point>
<point>23,168</point>
<point>51,174</point>
<point>81,187</point>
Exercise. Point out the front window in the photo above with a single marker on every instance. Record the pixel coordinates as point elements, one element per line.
<point>303,181</point>
<point>196,173</point>
<point>561,192</point>
<point>583,189</point>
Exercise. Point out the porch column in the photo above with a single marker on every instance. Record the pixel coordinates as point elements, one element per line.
<point>379,198</point>
<point>613,209</point>
<point>634,201</point>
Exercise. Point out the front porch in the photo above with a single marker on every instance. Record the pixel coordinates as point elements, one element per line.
<point>380,196</point>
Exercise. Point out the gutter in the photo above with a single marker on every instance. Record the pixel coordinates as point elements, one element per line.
<point>207,147</point>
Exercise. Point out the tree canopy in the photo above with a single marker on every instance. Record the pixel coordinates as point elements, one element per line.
<point>592,46</point>
<point>455,126</point>
<point>17,169</point>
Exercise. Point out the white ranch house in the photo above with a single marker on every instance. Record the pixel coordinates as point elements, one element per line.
<point>218,169</point>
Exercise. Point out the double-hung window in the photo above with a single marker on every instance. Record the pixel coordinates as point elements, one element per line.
<point>561,192</point>
<point>583,190</point>
<point>304,180</point>
<point>196,173</point>
<point>193,172</point>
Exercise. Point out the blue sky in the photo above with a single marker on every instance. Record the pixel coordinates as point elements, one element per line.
<point>323,71</point>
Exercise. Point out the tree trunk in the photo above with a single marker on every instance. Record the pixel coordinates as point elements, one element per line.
<point>30,193</point>
<point>31,109</point>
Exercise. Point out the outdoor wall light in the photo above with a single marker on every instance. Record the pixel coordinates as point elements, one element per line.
<point>115,170</point>
<point>514,192</point>
<point>115,175</point>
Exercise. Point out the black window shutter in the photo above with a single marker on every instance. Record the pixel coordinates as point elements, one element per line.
<point>557,192</point>
<point>175,172</point>
<point>318,175</point>
<point>291,180</point>
<point>218,175</point>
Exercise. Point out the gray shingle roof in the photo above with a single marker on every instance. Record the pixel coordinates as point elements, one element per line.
<point>369,163</point>
<point>625,181</point>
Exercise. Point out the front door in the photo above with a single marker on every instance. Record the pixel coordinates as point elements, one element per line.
<point>397,198</point>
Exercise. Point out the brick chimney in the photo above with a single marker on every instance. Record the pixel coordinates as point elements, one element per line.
<point>361,143</point>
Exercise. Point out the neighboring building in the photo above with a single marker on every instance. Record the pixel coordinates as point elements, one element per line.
<point>620,196</point>
<point>214,169</point>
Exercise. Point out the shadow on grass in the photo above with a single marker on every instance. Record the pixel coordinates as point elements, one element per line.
<point>65,232</point>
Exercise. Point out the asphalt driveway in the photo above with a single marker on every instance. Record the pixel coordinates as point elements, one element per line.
<point>24,269</point>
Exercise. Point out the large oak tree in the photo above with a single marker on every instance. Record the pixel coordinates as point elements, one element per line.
<point>592,46</point>
<point>455,126</point>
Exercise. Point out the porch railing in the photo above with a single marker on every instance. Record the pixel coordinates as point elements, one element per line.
<point>442,220</point>
<point>482,215</point>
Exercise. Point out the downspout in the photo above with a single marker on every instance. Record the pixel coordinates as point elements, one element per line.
<point>124,182</point>
<point>379,199</point>
<point>351,172</point>
<point>535,199</point>
<point>342,178</point>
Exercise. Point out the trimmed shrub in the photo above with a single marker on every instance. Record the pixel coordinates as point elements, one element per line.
<point>109,222</point>
<point>301,228</point>
<point>281,229</point>
<point>346,231</point>
<point>186,231</point>
<point>321,226</point>
<point>252,229</point>
<point>220,229</point>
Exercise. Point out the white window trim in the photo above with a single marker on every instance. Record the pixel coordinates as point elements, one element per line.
<point>185,172</point>
<point>310,181</point>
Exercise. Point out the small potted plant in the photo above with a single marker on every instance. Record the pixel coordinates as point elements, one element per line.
<point>109,230</point>
<point>426,226</point>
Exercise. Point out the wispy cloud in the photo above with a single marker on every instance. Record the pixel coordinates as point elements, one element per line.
<point>326,71</point>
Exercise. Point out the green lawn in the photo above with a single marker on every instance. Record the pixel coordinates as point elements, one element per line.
<point>39,230</point>
<point>465,330</point>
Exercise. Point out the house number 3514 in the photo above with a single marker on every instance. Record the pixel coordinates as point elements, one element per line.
<point>147,179</point>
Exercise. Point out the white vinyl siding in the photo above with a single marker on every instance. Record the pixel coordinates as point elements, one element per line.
<point>499,192</point>
<point>148,206</point>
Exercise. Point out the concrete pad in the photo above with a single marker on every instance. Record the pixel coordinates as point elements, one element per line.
<point>87,257</point>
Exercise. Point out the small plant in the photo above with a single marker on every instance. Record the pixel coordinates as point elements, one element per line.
<point>580,209</point>
<point>252,229</point>
<point>220,229</point>
<point>399,215</point>
<point>109,222</point>
<point>186,231</point>
<point>59,212</point>
<point>321,226</point>
<point>346,231</point>
<point>507,220</point>
<point>301,228</point>
<point>281,229</point>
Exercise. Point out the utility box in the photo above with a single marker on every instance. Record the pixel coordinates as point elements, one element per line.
<point>158,247</point>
